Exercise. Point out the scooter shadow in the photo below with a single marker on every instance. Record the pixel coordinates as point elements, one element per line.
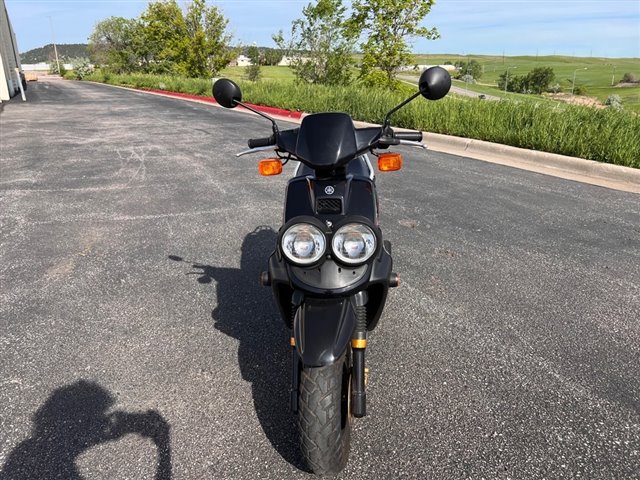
<point>246,311</point>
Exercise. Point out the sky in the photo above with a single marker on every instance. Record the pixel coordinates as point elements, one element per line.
<point>602,28</point>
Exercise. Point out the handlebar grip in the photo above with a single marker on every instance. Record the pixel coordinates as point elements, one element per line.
<point>262,142</point>
<point>410,136</point>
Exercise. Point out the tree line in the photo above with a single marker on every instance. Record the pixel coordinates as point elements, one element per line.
<point>164,39</point>
<point>45,54</point>
<point>195,42</point>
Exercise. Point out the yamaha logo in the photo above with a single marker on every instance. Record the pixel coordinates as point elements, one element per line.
<point>329,190</point>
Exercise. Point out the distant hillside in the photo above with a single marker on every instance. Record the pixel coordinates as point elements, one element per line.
<point>45,54</point>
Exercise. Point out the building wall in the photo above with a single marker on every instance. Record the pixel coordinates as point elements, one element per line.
<point>9,57</point>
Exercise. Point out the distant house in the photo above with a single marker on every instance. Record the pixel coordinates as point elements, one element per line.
<point>241,61</point>
<point>285,62</point>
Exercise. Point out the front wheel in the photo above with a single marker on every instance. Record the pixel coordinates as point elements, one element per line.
<point>324,419</point>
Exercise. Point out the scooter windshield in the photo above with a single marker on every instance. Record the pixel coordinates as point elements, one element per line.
<point>326,140</point>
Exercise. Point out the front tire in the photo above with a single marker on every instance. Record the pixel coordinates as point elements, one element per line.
<point>324,419</point>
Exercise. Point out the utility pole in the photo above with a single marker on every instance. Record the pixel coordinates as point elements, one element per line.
<point>573,84</point>
<point>506,80</point>
<point>55,49</point>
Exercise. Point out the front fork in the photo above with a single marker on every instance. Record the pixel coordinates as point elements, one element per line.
<point>358,348</point>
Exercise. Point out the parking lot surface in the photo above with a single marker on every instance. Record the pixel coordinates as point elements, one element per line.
<point>136,342</point>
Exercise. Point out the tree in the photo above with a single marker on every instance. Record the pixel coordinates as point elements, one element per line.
<point>253,71</point>
<point>470,67</point>
<point>272,56</point>
<point>389,25</point>
<point>207,44</point>
<point>319,44</point>
<point>165,37</point>
<point>539,79</point>
<point>519,84</point>
<point>114,42</point>
<point>513,83</point>
<point>165,40</point>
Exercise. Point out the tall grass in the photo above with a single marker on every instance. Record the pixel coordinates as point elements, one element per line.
<point>603,135</point>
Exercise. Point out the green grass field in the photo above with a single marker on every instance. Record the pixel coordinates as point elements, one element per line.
<point>596,78</point>
<point>267,73</point>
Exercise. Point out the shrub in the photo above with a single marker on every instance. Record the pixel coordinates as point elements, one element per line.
<point>579,90</point>
<point>555,88</point>
<point>82,67</point>
<point>253,73</point>
<point>629,78</point>
<point>53,69</point>
<point>468,79</point>
<point>614,101</point>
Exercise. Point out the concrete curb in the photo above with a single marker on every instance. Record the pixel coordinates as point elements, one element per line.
<point>606,175</point>
<point>587,171</point>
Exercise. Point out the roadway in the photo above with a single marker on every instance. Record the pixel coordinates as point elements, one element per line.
<point>465,92</point>
<point>134,336</point>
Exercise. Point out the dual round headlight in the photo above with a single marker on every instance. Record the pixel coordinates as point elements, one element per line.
<point>305,244</point>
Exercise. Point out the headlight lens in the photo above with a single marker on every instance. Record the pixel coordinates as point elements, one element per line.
<point>303,243</point>
<point>354,243</point>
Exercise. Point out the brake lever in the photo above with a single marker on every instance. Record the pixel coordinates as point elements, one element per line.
<point>411,143</point>
<point>256,150</point>
<point>386,142</point>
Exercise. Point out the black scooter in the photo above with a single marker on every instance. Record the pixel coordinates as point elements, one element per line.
<point>331,269</point>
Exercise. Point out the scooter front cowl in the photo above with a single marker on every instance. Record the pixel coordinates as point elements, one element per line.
<point>322,330</point>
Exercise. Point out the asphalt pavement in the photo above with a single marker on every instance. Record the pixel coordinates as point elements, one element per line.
<point>135,341</point>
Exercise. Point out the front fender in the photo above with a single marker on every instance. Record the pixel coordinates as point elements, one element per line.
<point>322,329</point>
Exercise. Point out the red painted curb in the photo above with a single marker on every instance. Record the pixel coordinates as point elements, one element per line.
<point>272,110</point>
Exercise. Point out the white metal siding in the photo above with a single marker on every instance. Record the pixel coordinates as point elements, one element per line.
<point>9,57</point>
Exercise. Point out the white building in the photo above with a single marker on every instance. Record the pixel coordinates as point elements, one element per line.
<point>420,68</point>
<point>243,61</point>
<point>9,58</point>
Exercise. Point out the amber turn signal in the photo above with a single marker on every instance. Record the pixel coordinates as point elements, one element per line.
<point>270,166</point>
<point>389,162</point>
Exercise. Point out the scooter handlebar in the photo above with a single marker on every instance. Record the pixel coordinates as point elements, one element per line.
<point>411,136</point>
<point>262,142</point>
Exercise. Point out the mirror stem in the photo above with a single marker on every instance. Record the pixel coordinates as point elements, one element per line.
<point>273,122</point>
<point>387,119</point>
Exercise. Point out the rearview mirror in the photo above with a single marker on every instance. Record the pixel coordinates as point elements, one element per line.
<point>434,83</point>
<point>227,93</point>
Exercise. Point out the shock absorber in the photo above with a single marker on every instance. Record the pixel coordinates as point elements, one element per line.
<point>295,360</point>
<point>358,347</point>
<point>295,377</point>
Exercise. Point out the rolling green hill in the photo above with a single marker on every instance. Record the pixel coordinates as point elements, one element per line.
<point>45,54</point>
<point>599,76</point>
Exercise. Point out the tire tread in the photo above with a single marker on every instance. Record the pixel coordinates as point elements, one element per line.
<point>324,440</point>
